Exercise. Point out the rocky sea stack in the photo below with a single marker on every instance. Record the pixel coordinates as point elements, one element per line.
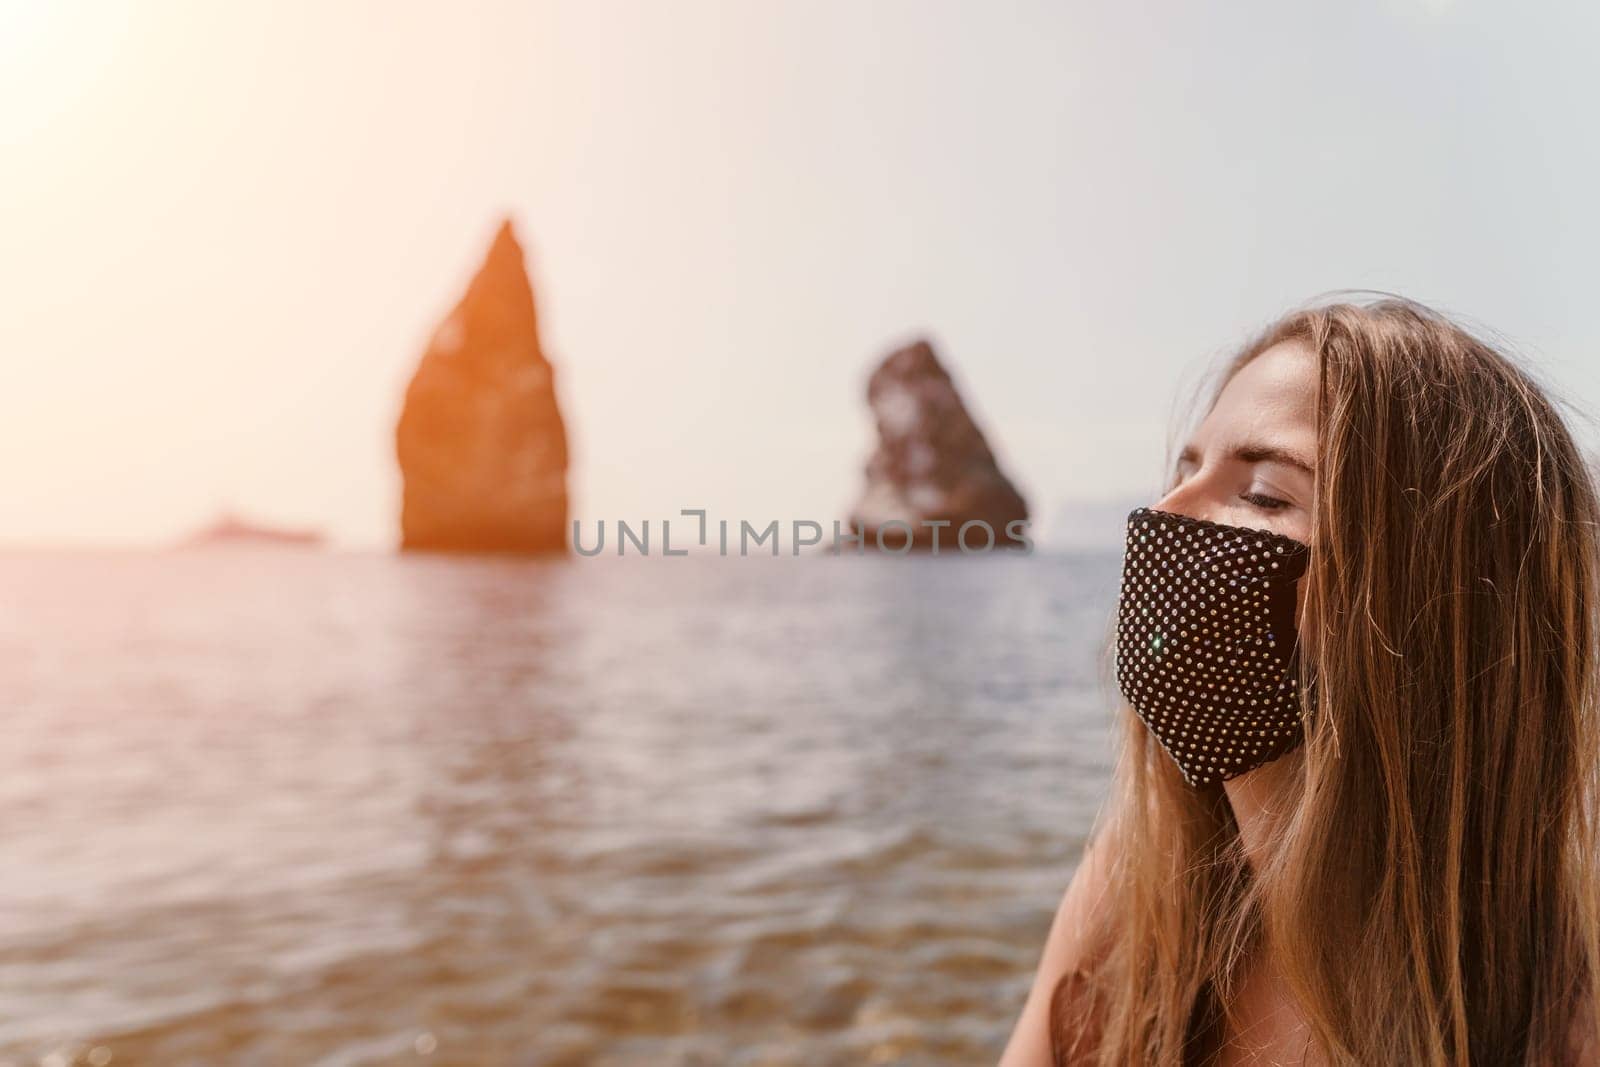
<point>932,463</point>
<point>481,442</point>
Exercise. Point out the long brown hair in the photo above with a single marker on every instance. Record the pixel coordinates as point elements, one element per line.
<point>1429,888</point>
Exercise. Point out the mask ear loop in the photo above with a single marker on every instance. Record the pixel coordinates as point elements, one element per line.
<point>1284,619</point>
<point>1306,681</point>
<point>1305,672</point>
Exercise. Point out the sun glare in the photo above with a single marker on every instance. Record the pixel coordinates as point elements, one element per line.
<point>52,57</point>
<point>25,31</point>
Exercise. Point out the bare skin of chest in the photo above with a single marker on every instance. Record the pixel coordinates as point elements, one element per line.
<point>1264,1029</point>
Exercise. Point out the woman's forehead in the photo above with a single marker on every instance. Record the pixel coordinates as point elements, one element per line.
<point>1274,395</point>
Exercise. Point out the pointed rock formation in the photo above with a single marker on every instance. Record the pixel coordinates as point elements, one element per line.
<point>481,442</point>
<point>932,462</point>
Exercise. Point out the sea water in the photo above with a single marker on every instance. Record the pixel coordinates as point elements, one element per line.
<point>282,806</point>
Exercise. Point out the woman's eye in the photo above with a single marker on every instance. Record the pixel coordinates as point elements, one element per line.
<point>1265,503</point>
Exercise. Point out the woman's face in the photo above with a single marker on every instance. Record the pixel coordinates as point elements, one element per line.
<point>1250,462</point>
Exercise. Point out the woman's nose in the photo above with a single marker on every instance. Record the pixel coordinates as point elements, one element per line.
<point>1189,497</point>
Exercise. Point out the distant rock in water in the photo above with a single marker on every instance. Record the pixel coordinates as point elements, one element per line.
<point>931,463</point>
<point>230,530</point>
<point>481,443</point>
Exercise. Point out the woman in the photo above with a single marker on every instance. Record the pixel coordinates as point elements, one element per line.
<point>1370,836</point>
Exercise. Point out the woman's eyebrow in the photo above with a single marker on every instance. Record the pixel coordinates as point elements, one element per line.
<point>1255,453</point>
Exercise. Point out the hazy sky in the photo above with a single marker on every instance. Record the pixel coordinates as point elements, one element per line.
<point>229,229</point>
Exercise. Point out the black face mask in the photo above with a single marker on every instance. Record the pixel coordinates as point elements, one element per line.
<point>1207,641</point>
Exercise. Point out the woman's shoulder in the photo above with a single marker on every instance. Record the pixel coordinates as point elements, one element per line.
<point>1074,1024</point>
<point>1081,922</point>
<point>1069,946</point>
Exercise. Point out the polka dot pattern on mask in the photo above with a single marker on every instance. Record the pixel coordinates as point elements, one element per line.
<point>1206,641</point>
